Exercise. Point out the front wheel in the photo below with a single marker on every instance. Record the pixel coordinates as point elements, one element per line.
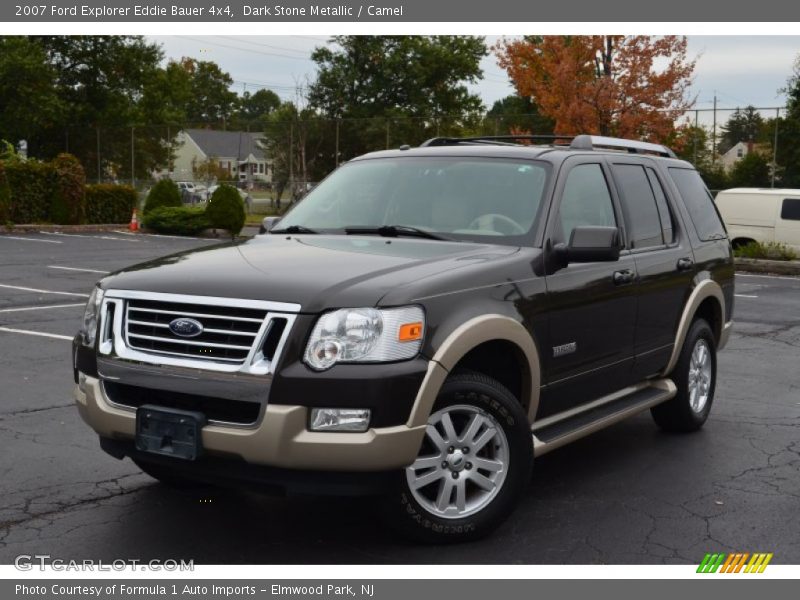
<point>695,376</point>
<point>472,468</point>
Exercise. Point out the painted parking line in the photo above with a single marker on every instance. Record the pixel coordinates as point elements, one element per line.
<point>745,296</point>
<point>768,276</point>
<point>91,237</point>
<point>76,269</point>
<point>38,291</point>
<point>159,235</point>
<point>25,239</point>
<point>24,308</point>
<point>36,333</point>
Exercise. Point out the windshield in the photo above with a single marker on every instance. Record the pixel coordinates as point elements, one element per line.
<point>457,198</point>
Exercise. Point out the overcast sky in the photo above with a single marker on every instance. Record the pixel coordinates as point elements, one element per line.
<point>741,70</point>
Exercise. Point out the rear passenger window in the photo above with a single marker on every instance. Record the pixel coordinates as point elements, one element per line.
<point>639,202</point>
<point>663,207</point>
<point>790,210</point>
<point>586,200</point>
<point>699,203</point>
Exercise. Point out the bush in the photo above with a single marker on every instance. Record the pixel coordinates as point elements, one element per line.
<point>32,184</point>
<point>67,204</point>
<point>5,197</point>
<point>164,193</point>
<point>768,250</point>
<point>109,203</point>
<point>226,210</point>
<point>177,220</point>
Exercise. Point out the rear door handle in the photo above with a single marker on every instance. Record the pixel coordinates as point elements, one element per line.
<point>684,264</point>
<point>623,277</point>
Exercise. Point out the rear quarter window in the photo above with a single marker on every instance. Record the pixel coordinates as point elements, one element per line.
<point>699,203</point>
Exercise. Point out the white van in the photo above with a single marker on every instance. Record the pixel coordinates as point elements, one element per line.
<point>761,215</point>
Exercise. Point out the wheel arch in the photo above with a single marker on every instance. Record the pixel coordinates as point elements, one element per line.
<point>707,301</point>
<point>459,349</point>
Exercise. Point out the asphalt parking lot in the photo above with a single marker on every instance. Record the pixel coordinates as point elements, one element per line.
<point>629,494</point>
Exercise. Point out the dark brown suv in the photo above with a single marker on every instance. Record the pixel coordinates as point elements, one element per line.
<point>422,325</point>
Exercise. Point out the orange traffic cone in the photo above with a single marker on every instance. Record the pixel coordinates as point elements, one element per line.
<point>134,226</point>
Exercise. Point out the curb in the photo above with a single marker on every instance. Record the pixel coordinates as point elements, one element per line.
<point>775,267</point>
<point>33,227</point>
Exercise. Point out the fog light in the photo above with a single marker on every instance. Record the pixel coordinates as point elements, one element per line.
<point>81,382</point>
<point>339,419</point>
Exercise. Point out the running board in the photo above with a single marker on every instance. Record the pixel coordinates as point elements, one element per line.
<point>563,428</point>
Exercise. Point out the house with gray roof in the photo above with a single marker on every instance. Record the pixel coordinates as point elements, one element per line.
<point>238,152</point>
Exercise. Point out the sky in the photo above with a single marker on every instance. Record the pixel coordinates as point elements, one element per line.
<point>739,70</point>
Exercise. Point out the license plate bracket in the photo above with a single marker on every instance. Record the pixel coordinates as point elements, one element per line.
<point>169,431</point>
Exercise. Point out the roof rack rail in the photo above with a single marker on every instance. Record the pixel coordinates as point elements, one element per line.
<point>510,140</point>
<point>592,142</point>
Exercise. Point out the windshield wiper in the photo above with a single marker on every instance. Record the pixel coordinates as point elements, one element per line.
<point>395,231</point>
<point>293,229</point>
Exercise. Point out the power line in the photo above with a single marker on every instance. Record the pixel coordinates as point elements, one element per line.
<point>251,51</point>
<point>245,41</point>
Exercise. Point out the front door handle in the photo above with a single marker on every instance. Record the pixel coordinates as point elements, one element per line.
<point>684,264</point>
<point>623,277</point>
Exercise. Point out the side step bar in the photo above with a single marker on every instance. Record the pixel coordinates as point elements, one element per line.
<point>563,428</point>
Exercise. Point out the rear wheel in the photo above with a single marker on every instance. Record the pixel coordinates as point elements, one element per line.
<point>695,377</point>
<point>472,468</point>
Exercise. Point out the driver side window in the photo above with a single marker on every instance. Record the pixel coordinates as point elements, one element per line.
<point>585,201</point>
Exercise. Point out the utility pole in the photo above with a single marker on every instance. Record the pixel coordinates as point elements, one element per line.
<point>98,153</point>
<point>696,113</point>
<point>714,134</point>
<point>133,159</point>
<point>336,157</point>
<point>775,146</point>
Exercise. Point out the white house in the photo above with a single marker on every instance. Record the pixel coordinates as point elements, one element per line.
<point>734,155</point>
<point>239,152</point>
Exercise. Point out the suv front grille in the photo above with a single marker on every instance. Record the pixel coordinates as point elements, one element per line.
<point>228,333</point>
<point>237,335</point>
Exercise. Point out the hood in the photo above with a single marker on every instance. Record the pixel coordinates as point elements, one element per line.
<point>315,271</point>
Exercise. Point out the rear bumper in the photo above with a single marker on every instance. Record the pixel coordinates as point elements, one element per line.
<point>280,439</point>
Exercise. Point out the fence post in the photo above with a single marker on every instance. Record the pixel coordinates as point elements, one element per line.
<point>775,146</point>
<point>98,153</point>
<point>133,159</point>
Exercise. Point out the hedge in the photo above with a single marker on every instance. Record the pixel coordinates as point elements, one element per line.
<point>68,203</point>
<point>109,203</point>
<point>5,197</point>
<point>33,185</point>
<point>178,220</point>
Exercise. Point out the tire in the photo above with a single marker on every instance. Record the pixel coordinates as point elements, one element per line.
<point>476,497</point>
<point>695,376</point>
<point>169,476</point>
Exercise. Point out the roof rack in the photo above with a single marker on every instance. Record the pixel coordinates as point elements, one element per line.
<point>509,140</point>
<point>592,142</point>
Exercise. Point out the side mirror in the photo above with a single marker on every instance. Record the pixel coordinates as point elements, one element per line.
<point>268,223</point>
<point>590,244</point>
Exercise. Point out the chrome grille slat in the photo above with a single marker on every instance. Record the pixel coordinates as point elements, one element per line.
<point>206,329</point>
<point>187,342</point>
<point>237,335</point>
<point>192,314</point>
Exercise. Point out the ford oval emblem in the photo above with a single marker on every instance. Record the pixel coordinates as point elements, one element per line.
<point>185,327</point>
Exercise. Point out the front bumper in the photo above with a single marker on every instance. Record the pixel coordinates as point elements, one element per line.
<point>280,439</point>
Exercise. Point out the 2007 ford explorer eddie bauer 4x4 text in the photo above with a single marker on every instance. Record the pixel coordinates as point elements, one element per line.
<point>422,325</point>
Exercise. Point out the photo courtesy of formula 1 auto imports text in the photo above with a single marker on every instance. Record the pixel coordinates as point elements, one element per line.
<point>405,299</point>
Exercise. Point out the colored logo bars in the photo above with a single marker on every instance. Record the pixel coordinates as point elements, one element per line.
<point>735,563</point>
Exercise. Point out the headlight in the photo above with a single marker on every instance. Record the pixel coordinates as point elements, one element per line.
<point>90,315</point>
<point>365,335</point>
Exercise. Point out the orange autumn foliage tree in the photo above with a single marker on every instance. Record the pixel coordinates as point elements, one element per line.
<point>624,86</point>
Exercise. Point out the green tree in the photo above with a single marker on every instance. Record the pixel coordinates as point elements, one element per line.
<point>788,156</point>
<point>254,107</point>
<point>392,90</point>
<point>751,171</point>
<point>210,98</point>
<point>515,114</point>
<point>29,99</point>
<point>744,125</point>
